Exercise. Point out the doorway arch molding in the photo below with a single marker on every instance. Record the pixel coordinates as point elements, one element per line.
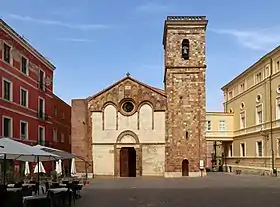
<point>127,133</point>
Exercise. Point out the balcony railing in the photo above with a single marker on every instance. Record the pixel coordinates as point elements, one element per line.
<point>42,115</point>
<point>258,128</point>
<point>41,86</point>
<point>43,143</point>
<point>225,135</point>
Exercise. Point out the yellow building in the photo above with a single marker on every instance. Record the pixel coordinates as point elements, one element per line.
<point>249,127</point>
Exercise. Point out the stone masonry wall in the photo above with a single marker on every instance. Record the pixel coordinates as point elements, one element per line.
<point>81,145</point>
<point>185,90</point>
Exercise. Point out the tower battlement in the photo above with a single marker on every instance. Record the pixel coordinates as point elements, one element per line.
<point>186,18</point>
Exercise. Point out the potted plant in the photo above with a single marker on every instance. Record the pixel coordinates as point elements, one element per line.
<point>54,176</point>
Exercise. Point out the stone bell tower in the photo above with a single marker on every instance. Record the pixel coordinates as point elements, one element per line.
<point>184,79</point>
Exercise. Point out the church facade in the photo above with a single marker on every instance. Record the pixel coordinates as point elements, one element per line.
<point>132,129</point>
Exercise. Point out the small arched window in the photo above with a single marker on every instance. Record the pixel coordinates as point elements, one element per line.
<point>185,49</point>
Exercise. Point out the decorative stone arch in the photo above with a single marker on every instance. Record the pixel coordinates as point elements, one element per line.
<point>127,133</point>
<point>138,113</point>
<point>137,147</point>
<point>143,103</point>
<point>103,116</point>
<point>107,104</point>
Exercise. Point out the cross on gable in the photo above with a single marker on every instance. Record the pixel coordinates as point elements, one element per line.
<point>127,74</point>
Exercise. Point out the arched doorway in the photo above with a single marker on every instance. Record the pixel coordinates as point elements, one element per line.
<point>128,162</point>
<point>185,167</point>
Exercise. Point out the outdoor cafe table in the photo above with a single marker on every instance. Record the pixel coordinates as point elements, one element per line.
<point>14,189</point>
<point>36,200</point>
<point>59,190</point>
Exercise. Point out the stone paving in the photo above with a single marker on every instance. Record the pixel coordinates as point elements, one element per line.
<point>217,189</point>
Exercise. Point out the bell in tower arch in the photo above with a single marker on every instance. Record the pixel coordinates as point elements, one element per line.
<point>185,49</point>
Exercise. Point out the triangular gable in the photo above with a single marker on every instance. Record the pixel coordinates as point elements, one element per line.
<point>157,90</point>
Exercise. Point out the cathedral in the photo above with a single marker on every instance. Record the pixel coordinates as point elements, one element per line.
<point>131,129</point>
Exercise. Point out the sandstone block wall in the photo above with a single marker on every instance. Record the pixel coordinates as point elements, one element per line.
<point>185,90</point>
<point>81,144</point>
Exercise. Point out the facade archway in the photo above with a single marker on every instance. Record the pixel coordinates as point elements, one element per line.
<point>185,167</point>
<point>122,137</point>
<point>128,162</point>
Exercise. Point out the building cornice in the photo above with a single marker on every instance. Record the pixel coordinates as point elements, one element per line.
<point>251,68</point>
<point>25,44</point>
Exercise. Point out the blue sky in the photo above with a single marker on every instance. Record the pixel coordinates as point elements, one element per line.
<point>95,43</point>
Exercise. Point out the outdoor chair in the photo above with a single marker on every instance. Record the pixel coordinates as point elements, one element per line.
<point>14,199</point>
<point>55,185</point>
<point>27,191</point>
<point>65,182</point>
<point>3,194</point>
<point>72,192</point>
<point>47,185</point>
<point>35,201</point>
<point>18,185</point>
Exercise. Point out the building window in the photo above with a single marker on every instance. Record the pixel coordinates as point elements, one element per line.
<point>258,77</point>
<point>230,95</point>
<point>208,125</point>
<point>24,65</point>
<point>23,97</point>
<point>63,115</point>
<point>55,135</point>
<point>278,146</point>
<point>41,108</point>
<point>242,87</point>
<point>259,114</point>
<point>7,127</point>
<point>55,111</point>
<point>267,71</point>
<point>242,105</point>
<point>242,150</point>
<point>41,80</point>
<point>258,98</point>
<point>230,151</point>
<point>277,66</point>
<point>242,120</point>
<point>41,135</point>
<point>62,138</point>
<point>277,108</point>
<point>259,149</point>
<point>23,130</point>
<point>222,125</point>
<point>7,53</point>
<point>7,90</point>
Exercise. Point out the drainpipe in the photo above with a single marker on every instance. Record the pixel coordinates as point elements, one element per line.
<point>271,124</point>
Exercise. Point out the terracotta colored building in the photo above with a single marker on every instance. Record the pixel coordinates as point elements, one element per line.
<point>133,129</point>
<point>29,111</point>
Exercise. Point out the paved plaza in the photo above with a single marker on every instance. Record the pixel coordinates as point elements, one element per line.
<point>217,189</point>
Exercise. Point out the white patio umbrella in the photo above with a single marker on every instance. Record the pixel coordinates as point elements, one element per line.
<point>41,168</point>
<point>62,154</point>
<point>73,167</point>
<point>26,169</point>
<point>14,150</point>
<point>58,167</point>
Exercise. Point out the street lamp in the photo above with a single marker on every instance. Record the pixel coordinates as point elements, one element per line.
<point>266,135</point>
